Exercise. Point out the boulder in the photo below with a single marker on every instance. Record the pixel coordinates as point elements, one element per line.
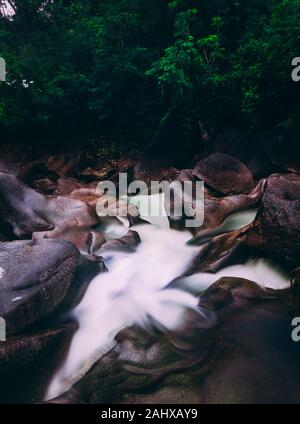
<point>149,174</point>
<point>35,279</point>
<point>91,196</point>
<point>26,211</point>
<point>276,229</point>
<point>66,185</point>
<point>224,174</point>
<point>218,252</point>
<point>84,238</point>
<point>248,147</point>
<point>21,208</point>
<point>62,208</point>
<point>127,243</point>
<point>217,209</point>
<point>28,362</point>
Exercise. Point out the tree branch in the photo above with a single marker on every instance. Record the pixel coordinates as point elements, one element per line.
<point>12,5</point>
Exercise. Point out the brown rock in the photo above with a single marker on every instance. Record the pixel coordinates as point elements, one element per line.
<point>224,174</point>
<point>84,238</point>
<point>28,362</point>
<point>27,211</point>
<point>126,243</point>
<point>277,227</point>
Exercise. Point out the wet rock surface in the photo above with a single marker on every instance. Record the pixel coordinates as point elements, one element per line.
<point>245,355</point>
<point>25,211</point>
<point>277,227</point>
<point>27,363</point>
<point>224,174</point>
<point>35,278</point>
<point>83,237</point>
<point>238,349</point>
<point>218,252</point>
<point>127,243</point>
<point>217,209</point>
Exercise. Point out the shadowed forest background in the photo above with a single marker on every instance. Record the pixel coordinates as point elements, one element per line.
<point>82,70</point>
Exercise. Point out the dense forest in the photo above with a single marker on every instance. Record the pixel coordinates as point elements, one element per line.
<point>79,70</point>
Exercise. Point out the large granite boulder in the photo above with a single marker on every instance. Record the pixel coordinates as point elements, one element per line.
<point>35,277</point>
<point>25,211</point>
<point>28,362</point>
<point>224,174</point>
<point>84,238</point>
<point>277,227</point>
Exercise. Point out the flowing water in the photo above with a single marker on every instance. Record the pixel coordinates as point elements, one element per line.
<point>136,290</point>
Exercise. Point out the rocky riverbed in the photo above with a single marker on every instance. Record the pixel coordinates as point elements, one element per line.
<point>111,310</point>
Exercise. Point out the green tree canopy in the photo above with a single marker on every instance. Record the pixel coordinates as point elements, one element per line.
<point>117,67</point>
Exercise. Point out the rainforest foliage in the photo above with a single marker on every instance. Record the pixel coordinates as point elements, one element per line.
<point>117,67</point>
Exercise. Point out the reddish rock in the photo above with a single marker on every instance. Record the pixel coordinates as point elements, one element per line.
<point>27,211</point>
<point>28,362</point>
<point>276,229</point>
<point>224,174</point>
<point>84,238</point>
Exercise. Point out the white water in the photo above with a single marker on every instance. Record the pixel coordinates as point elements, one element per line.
<point>131,292</point>
<point>262,271</point>
<point>135,291</point>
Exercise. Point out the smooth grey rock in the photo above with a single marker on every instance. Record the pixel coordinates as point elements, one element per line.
<point>35,277</point>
